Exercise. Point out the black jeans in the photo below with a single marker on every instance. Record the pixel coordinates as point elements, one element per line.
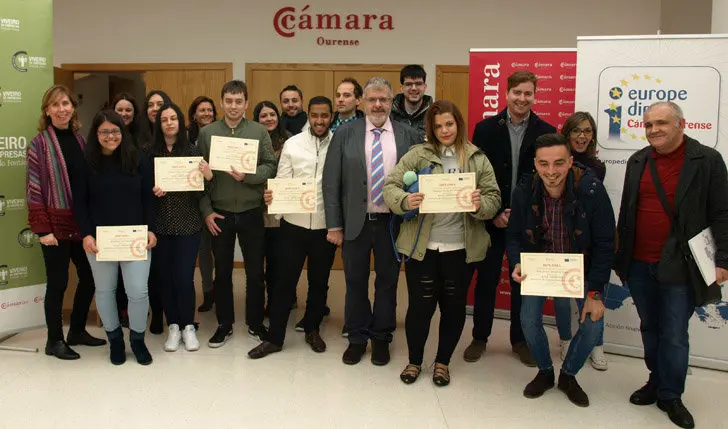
<point>440,278</point>
<point>274,245</point>
<point>176,255</point>
<point>249,229</point>
<point>489,274</point>
<point>361,321</point>
<point>301,243</point>
<point>56,260</point>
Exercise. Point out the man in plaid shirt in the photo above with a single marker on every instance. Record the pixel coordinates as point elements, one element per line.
<point>562,209</point>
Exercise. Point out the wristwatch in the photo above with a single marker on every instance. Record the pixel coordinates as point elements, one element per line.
<point>595,295</point>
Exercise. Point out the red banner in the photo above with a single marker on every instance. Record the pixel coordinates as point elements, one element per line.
<point>554,102</point>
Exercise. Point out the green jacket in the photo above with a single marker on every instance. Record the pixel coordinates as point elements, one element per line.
<point>477,240</point>
<point>225,193</point>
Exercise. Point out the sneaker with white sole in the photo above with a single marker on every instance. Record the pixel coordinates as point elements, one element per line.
<point>189,337</point>
<point>220,337</point>
<point>173,339</point>
<point>597,359</point>
<point>260,334</point>
<point>564,348</point>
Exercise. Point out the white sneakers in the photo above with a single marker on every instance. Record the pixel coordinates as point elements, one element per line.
<point>188,336</point>
<point>173,339</point>
<point>597,359</point>
<point>564,348</point>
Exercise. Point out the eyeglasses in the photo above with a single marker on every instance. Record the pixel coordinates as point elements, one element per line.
<point>381,100</point>
<point>413,84</point>
<point>586,131</point>
<point>108,133</point>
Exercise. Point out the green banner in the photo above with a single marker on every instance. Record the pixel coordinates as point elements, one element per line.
<point>26,71</point>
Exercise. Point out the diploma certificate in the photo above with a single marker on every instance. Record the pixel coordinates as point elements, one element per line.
<point>121,243</point>
<point>558,275</point>
<point>447,193</point>
<point>179,174</point>
<point>292,196</point>
<point>229,152</point>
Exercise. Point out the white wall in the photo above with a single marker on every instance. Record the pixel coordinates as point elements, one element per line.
<point>720,17</point>
<point>240,31</point>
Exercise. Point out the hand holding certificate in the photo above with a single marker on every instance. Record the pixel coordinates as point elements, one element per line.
<point>292,196</point>
<point>558,275</point>
<point>447,193</point>
<point>121,243</point>
<point>178,174</point>
<point>231,153</point>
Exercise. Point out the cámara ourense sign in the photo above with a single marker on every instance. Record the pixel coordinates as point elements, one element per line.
<point>288,21</point>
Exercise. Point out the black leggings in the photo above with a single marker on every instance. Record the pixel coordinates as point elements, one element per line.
<point>440,278</point>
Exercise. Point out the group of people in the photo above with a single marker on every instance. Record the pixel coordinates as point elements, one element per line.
<point>536,191</point>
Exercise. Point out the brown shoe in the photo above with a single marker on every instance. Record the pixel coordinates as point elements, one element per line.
<point>524,354</point>
<point>317,343</point>
<point>474,351</point>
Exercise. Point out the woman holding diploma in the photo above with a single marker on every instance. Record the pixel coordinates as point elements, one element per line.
<point>115,189</point>
<point>443,247</point>
<point>54,156</point>
<point>179,222</point>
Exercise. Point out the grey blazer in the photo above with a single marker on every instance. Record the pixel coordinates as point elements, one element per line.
<point>345,174</point>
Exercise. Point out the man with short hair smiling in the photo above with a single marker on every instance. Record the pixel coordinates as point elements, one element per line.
<point>562,209</point>
<point>348,97</point>
<point>234,208</point>
<point>292,114</point>
<point>410,106</point>
<point>658,214</point>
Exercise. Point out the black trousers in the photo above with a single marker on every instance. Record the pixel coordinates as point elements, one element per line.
<point>56,260</point>
<point>439,279</point>
<point>361,320</point>
<point>176,255</point>
<point>248,227</point>
<point>274,245</point>
<point>489,274</point>
<point>301,243</point>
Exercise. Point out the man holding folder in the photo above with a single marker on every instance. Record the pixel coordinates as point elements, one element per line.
<point>564,209</point>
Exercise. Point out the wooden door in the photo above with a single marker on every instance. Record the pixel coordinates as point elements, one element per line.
<point>266,84</point>
<point>363,75</point>
<point>452,85</point>
<point>183,86</point>
<point>63,77</point>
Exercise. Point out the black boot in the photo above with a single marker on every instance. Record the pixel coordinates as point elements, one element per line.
<point>207,301</point>
<point>61,350</point>
<point>83,338</point>
<point>117,352</point>
<point>141,352</point>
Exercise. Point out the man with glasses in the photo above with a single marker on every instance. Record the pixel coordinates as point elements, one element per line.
<point>361,155</point>
<point>411,105</point>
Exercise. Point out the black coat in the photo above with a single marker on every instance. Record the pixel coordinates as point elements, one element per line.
<point>701,201</point>
<point>492,137</point>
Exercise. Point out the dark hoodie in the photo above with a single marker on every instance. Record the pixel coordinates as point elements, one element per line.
<point>415,120</point>
<point>597,165</point>
<point>587,215</point>
<point>294,124</point>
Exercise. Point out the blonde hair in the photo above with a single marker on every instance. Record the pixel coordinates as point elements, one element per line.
<point>50,96</point>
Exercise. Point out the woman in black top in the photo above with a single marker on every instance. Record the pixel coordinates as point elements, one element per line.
<point>152,103</point>
<point>179,222</point>
<point>202,112</point>
<point>114,188</point>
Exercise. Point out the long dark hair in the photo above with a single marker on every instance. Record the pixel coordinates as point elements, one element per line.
<point>127,153</point>
<point>279,135</point>
<point>194,130</point>
<point>181,143</point>
<point>133,127</point>
<point>146,133</point>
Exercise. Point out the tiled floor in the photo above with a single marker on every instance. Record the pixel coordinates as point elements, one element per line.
<point>297,388</point>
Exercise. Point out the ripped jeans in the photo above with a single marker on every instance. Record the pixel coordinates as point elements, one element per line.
<point>440,278</point>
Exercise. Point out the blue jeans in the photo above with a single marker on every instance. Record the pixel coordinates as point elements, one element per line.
<point>581,346</point>
<point>562,313</point>
<point>136,275</point>
<point>664,310</point>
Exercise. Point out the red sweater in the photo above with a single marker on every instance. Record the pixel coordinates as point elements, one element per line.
<point>653,224</point>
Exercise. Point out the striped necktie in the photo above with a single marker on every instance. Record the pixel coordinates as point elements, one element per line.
<point>377,193</point>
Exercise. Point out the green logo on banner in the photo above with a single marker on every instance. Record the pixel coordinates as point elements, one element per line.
<point>2,205</point>
<point>26,238</point>
<point>20,61</point>
<point>4,275</point>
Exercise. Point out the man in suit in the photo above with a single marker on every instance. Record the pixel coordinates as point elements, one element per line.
<point>508,141</point>
<point>361,155</point>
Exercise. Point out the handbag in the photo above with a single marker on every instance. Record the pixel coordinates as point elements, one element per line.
<point>704,294</point>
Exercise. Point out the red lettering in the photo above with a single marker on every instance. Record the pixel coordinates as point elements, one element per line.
<point>367,19</point>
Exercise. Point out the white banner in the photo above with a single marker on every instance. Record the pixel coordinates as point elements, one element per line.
<point>617,78</point>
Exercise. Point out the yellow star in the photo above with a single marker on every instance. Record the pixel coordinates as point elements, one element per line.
<point>648,77</point>
<point>635,77</point>
<point>613,106</point>
<point>633,135</point>
<point>616,92</point>
<point>624,82</point>
<point>643,138</point>
<point>658,80</point>
<point>624,130</point>
<point>617,120</point>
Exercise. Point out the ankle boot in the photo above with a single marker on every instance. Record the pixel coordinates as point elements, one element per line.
<point>141,352</point>
<point>117,353</point>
